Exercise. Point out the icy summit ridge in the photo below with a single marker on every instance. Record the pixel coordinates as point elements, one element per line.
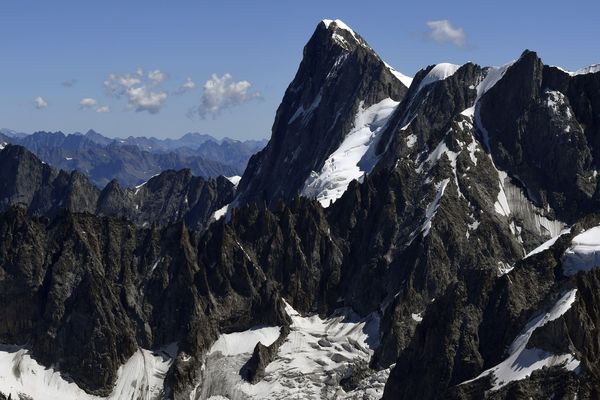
<point>336,24</point>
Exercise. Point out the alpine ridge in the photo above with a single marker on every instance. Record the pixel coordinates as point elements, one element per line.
<point>433,237</point>
<point>132,161</point>
<point>169,197</point>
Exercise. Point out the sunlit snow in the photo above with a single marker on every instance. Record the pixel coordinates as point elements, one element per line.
<point>140,378</point>
<point>354,158</point>
<point>220,212</point>
<point>547,244</point>
<point>309,364</point>
<point>584,253</point>
<point>234,179</point>
<point>522,361</point>
<point>439,72</point>
<point>406,80</point>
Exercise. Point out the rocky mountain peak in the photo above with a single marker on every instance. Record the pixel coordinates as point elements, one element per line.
<point>339,77</point>
<point>341,34</point>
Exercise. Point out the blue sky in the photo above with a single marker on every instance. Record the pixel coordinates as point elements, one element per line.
<point>253,49</point>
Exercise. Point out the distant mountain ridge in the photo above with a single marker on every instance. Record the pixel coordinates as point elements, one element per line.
<point>170,197</point>
<point>135,159</point>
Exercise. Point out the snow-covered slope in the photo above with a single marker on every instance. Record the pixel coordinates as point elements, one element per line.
<point>354,158</point>
<point>522,361</point>
<point>406,80</point>
<point>309,364</point>
<point>140,378</point>
<point>439,72</point>
<point>584,253</point>
<point>590,69</point>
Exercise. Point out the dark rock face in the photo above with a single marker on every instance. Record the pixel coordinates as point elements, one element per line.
<point>545,134</point>
<point>135,160</point>
<point>167,198</point>
<point>254,369</point>
<point>130,288</point>
<point>338,73</point>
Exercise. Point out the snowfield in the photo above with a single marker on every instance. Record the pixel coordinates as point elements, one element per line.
<point>310,363</point>
<point>522,361</point>
<point>354,158</point>
<point>584,253</point>
<point>140,378</point>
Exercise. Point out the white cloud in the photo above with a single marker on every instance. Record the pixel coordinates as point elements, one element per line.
<point>186,86</point>
<point>137,88</point>
<point>443,31</point>
<point>157,76</point>
<point>143,99</point>
<point>87,102</point>
<point>102,109</point>
<point>117,84</point>
<point>221,93</point>
<point>40,103</point>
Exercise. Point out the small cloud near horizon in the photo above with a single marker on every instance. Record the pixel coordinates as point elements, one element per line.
<point>139,89</point>
<point>40,103</point>
<point>221,93</point>
<point>87,103</point>
<point>442,31</point>
<point>186,86</point>
<point>157,76</point>
<point>103,109</point>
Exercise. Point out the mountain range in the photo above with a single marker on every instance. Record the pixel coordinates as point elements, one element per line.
<point>134,160</point>
<point>433,237</point>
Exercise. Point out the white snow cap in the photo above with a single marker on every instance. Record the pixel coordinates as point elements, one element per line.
<point>439,73</point>
<point>591,69</point>
<point>406,80</point>
<point>341,25</point>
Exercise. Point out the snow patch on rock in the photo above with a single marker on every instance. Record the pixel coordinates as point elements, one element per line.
<point>354,158</point>
<point>438,73</point>
<point>234,179</point>
<point>304,113</point>
<point>406,80</point>
<point>433,206</point>
<point>220,213</point>
<point>522,361</point>
<point>584,253</point>
<point>547,244</point>
<point>231,344</point>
